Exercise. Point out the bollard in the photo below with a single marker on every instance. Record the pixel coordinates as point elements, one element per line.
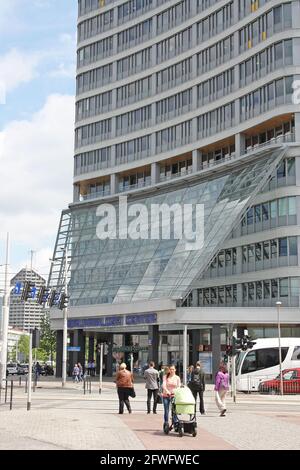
<point>90,382</point>
<point>20,381</point>
<point>11,394</point>
<point>84,386</point>
<point>26,383</point>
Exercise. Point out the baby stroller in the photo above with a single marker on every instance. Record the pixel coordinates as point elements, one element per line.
<point>183,403</point>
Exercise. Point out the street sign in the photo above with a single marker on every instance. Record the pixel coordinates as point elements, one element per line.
<point>74,348</point>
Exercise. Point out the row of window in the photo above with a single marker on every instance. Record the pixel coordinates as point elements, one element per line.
<point>97,24</point>
<point>134,120</point>
<point>276,20</point>
<point>174,16</point>
<point>135,91</point>
<point>134,63</point>
<point>246,7</point>
<point>96,51</point>
<point>252,292</point>
<point>267,97</point>
<point>136,180</point>
<point>215,55</point>
<point>270,249</point>
<point>93,133</point>
<point>216,87</point>
<point>95,78</point>
<point>174,45</point>
<point>92,161</point>
<point>85,6</point>
<point>173,137</point>
<point>266,211</point>
<point>215,23</point>
<point>270,59</point>
<point>284,132</point>
<point>270,289</point>
<point>133,150</point>
<point>216,121</point>
<point>181,168</point>
<point>94,106</point>
<point>134,8</point>
<point>134,35</point>
<point>174,105</point>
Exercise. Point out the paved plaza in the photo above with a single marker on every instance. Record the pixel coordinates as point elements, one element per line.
<point>68,419</point>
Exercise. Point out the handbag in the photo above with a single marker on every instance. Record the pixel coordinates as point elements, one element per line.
<point>159,399</point>
<point>132,393</point>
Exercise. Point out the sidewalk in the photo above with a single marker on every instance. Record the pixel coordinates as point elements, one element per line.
<point>68,419</point>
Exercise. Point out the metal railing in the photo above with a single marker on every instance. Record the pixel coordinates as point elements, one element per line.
<point>6,393</point>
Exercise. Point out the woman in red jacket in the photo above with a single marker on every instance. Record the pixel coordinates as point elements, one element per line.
<point>124,381</point>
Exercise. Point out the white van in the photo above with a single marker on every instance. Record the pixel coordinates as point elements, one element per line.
<point>262,362</point>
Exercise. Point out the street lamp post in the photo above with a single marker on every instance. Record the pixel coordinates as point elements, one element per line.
<point>5,319</point>
<point>278,304</point>
<point>65,324</point>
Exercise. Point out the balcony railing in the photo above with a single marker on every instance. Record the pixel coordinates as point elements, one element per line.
<point>86,197</point>
<point>280,139</point>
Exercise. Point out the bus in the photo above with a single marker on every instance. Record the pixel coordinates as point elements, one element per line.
<point>262,361</point>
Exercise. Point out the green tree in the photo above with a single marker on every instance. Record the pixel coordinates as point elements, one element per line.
<point>48,339</point>
<point>23,346</point>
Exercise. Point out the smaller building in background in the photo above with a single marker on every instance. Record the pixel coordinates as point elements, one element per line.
<point>13,338</point>
<point>26,315</point>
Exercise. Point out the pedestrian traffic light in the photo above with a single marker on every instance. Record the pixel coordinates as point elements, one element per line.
<point>43,295</point>
<point>63,301</point>
<point>228,350</point>
<point>36,338</point>
<point>27,291</point>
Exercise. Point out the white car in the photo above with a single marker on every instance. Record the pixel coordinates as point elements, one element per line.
<point>12,369</point>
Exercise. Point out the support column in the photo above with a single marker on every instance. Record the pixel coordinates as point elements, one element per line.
<point>76,192</point>
<point>71,356</point>
<point>127,342</point>
<point>195,340</point>
<point>109,357</point>
<point>197,160</point>
<point>153,341</point>
<point>155,173</point>
<point>216,349</point>
<point>81,344</point>
<point>114,183</point>
<point>239,144</point>
<point>91,348</point>
<point>59,350</point>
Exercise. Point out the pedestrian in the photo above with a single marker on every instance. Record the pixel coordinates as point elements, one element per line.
<point>80,375</point>
<point>75,373</point>
<point>93,368</point>
<point>151,377</point>
<point>124,382</point>
<point>221,388</point>
<point>171,381</point>
<point>89,368</point>
<point>197,386</point>
<point>37,371</point>
<point>189,374</point>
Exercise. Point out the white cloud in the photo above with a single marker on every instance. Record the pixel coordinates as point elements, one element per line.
<point>17,67</point>
<point>36,159</point>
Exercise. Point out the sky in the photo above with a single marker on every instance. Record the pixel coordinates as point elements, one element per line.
<point>37,88</point>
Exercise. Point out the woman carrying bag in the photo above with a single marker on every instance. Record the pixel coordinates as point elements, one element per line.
<point>124,382</point>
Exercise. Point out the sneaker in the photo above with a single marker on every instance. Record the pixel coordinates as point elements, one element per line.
<point>154,412</point>
<point>223,412</point>
<point>203,414</point>
<point>148,412</point>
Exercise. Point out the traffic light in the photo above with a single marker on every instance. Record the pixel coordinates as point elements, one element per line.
<point>43,295</point>
<point>228,350</point>
<point>36,338</point>
<point>247,343</point>
<point>237,345</point>
<point>52,299</point>
<point>63,301</point>
<point>27,291</point>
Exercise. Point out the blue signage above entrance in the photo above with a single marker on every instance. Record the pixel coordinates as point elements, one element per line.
<point>118,320</point>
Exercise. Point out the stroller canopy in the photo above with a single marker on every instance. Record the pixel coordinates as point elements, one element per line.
<point>183,396</point>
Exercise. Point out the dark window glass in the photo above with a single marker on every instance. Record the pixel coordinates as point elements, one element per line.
<point>282,246</point>
<point>293,248</point>
<point>269,357</point>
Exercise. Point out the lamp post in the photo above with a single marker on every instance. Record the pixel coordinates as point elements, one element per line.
<point>65,323</point>
<point>278,304</point>
<point>5,319</point>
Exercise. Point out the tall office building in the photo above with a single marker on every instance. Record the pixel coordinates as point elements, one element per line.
<point>26,315</point>
<point>187,101</point>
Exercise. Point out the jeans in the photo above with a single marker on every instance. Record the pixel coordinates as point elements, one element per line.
<point>195,393</point>
<point>166,401</point>
<point>151,392</point>
<point>123,394</point>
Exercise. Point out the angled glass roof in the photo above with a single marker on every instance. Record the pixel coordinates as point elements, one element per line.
<point>117,270</point>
